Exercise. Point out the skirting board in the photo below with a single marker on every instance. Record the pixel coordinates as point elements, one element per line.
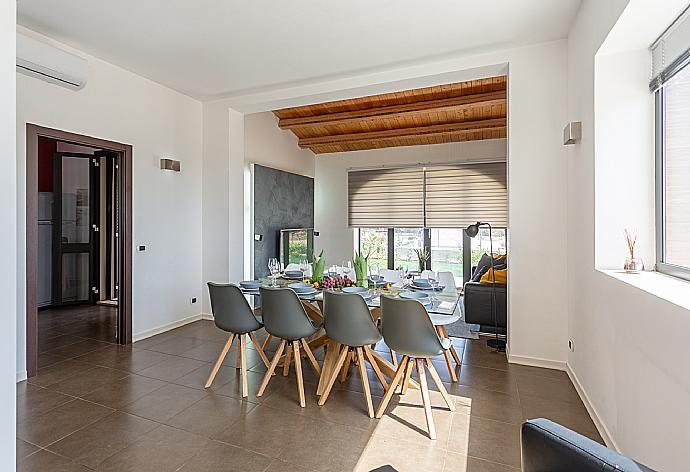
<point>166,327</point>
<point>21,376</point>
<point>601,427</point>
<point>535,361</point>
<point>207,316</point>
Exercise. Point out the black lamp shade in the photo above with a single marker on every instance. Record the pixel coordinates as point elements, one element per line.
<point>473,230</point>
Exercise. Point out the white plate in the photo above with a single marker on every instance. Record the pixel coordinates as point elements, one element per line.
<point>307,294</point>
<point>414,295</point>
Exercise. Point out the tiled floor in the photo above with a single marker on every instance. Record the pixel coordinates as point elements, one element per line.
<point>143,408</point>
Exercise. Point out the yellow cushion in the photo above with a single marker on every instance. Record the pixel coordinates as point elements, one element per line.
<point>501,277</point>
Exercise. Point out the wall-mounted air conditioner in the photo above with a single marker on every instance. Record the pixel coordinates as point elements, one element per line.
<point>44,61</point>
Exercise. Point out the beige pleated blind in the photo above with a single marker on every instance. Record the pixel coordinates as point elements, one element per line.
<point>460,195</point>
<point>388,198</point>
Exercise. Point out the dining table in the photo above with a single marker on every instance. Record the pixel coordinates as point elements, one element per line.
<point>443,302</point>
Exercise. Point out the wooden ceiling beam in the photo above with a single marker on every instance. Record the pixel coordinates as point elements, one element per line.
<point>466,126</point>
<point>464,102</point>
<point>418,140</point>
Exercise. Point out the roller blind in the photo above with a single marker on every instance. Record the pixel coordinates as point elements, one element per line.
<point>387,198</point>
<point>671,51</point>
<point>460,195</point>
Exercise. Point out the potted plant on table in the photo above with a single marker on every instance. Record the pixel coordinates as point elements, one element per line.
<point>318,264</point>
<point>361,269</point>
<point>422,257</point>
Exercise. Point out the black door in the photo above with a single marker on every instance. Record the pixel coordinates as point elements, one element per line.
<point>75,228</point>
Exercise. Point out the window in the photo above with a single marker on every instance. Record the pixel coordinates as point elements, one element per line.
<point>446,250</point>
<point>673,175</point>
<point>405,241</point>
<point>450,248</point>
<point>374,241</point>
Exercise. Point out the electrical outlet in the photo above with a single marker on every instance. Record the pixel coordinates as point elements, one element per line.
<point>193,299</point>
<point>571,345</point>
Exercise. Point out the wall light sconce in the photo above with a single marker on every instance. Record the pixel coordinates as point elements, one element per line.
<point>572,133</point>
<point>169,164</point>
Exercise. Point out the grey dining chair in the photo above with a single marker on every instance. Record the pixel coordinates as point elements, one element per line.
<point>284,318</point>
<point>232,313</point>
<point>348,321</point>
<point>407,328</point>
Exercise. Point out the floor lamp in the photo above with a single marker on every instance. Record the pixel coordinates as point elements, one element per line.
<point>472,231</point>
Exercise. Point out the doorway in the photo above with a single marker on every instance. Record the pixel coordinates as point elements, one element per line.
<point>78,241</point>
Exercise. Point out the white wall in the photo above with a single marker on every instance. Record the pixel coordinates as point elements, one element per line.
<point>8,236</point>
<point>270,146</point>
<point>167,214</point>
<point>330,184</point>
<point>631,353</point>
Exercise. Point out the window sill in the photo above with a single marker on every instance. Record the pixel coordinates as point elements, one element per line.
<point>671,289</point>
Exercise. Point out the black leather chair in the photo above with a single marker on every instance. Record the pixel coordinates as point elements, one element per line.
<point>477,302</point>
<point>550,447</point>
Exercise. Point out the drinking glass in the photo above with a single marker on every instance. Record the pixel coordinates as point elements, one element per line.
<point>274,268</point>
<point>434,286</point>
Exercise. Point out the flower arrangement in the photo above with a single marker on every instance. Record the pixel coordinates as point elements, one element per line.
<point>318,264</point>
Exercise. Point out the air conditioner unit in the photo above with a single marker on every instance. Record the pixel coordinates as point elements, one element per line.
<point>44,61</point>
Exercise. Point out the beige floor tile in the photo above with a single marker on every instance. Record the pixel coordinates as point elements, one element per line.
<point>404,456</point>
<point>92,445</point>
<point>460,463</point>
<point>487,379</point>
<point>490,440</point>
<point>547,388</point>
<point>211,415</point>
<point>25,449</point>
<point>165,449</point>
<point>59,422</point>
<point>219,457</point>
<point>569,414</point>
<point>37,400</point>
<point>171,369</point>
<point>88,381</point>
<point>488,404</point>
<point>124,391</point>
<point>164,403</point>
<point>47,461</point>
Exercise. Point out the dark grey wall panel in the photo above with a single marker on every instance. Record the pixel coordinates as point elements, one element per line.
<point>281,200</point>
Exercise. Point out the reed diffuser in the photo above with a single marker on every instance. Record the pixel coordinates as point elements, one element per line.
<point>632,263</point>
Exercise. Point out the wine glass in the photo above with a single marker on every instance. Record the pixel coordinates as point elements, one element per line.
<point>274,268</point>
<point>434,287</point>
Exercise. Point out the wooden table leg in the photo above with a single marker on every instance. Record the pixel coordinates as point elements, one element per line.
<point>332,351</point>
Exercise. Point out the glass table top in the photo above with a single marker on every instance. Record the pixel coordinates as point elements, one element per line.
<point>443,303</point>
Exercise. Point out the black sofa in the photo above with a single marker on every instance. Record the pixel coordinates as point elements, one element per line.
<point>477,302</point>
<point>550,447</point>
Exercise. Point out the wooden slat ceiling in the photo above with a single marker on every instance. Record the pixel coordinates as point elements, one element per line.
<point>463,111</point>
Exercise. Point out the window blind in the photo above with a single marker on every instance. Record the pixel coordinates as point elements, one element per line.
<point>460,195</point>
<point>671,51</point>
<point>391,198</point>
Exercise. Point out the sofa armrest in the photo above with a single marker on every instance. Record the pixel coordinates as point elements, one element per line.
<point>547,446</point>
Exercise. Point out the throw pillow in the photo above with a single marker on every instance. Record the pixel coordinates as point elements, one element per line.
<point>500,274</point>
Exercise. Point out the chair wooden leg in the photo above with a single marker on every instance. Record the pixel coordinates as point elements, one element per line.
<point>298,371</point>
<point>439,384</point>
<point>271,368</point>
<point>375,366</point>
<point>259,349</point>
<point>391,388</point>
<point>406,379</point>
<point>452,348</point>
<point>346,366</point>
<point>426,400</point>
<point>336,370</point>
<point>267,342</point>
<point>310,356</point>
<point>243,363</point>
<point>219,361</point>
<point>394,358</point>
<point>365,381</point>
<point>288,359</point>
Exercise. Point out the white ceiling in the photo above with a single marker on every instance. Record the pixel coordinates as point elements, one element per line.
<point>212,48</point>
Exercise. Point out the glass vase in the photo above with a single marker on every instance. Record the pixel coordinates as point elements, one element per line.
<point>633,264</point>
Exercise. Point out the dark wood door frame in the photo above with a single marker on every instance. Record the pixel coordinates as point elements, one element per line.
<point>33,132</point>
